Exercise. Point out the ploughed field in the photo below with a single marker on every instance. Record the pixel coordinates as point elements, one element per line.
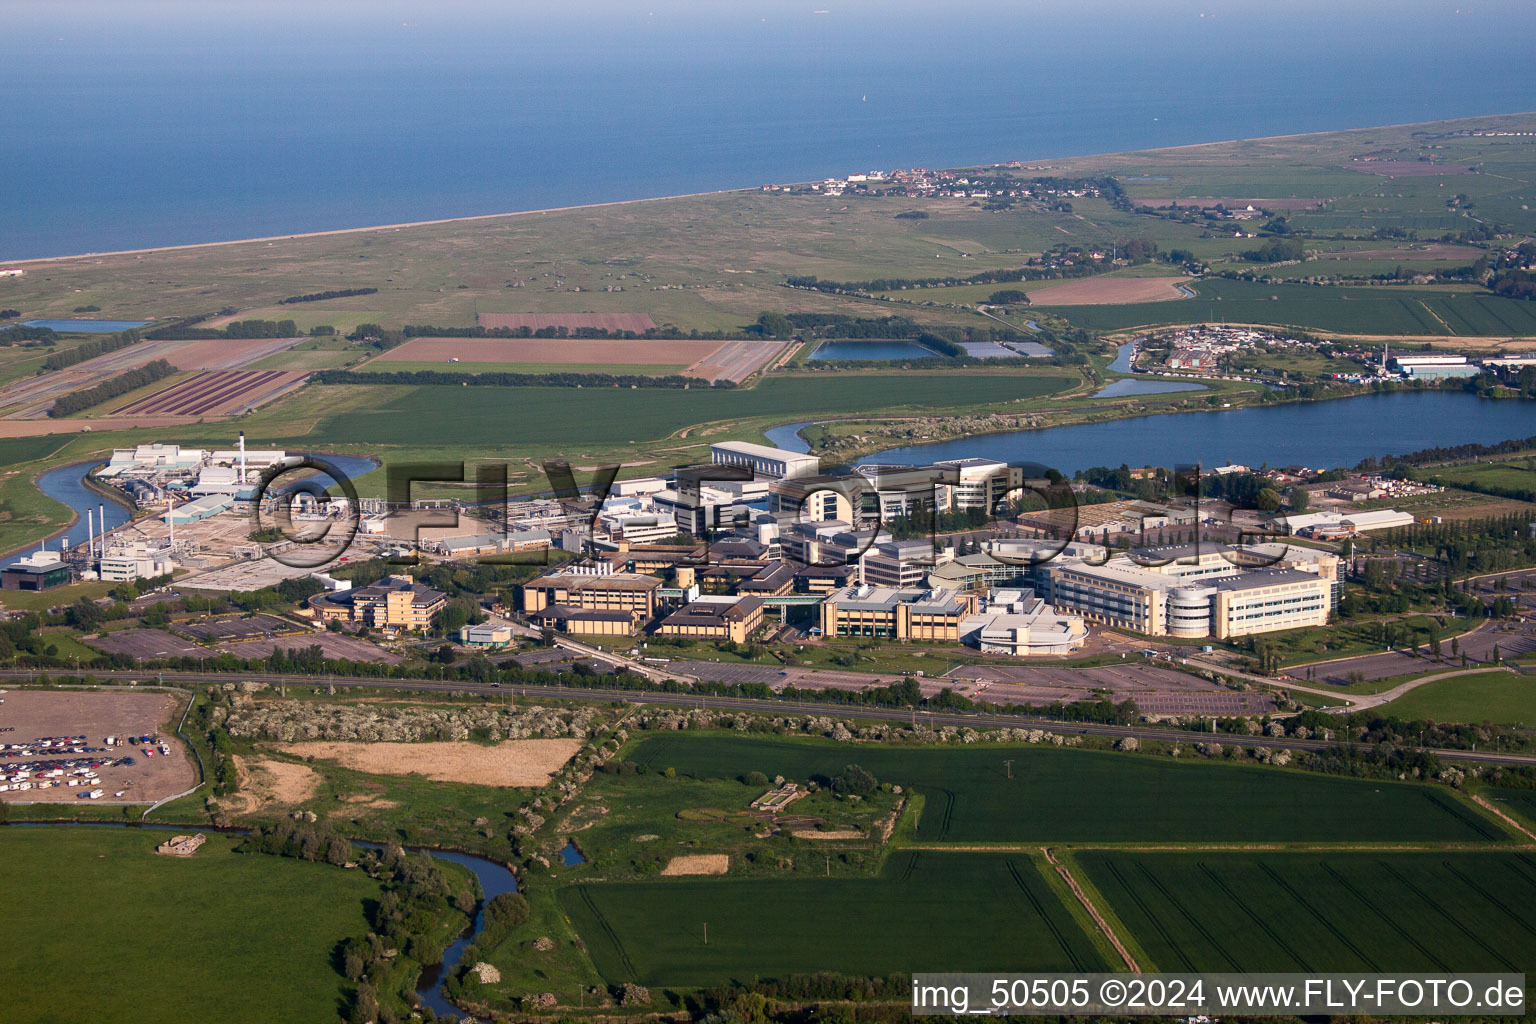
<point>1097,797</point>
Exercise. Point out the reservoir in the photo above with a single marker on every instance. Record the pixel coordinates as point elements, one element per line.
<point>872,350</point>
<point>1319,434</point>
<point>87,326</point>
<point>1122,388</point>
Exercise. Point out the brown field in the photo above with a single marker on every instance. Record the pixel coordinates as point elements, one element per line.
<point>562,351</point>
<point>1405,168</point>
<point>637,322</point>
<point>698,864</point>
<point>1108,291</point>
<point>523,763</point>
<point>33,395</point>
<point>1426,252</point>
<point>33,428</point>
<point>708,360</point>
<point>264,782</point>
<point>31,714</point>
<point>228,355</point>
<point>216,392</point>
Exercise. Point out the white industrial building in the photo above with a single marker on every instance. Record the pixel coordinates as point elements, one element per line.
<point>1344,523</point>
<point>1016,622</point>
<point>763,459</point>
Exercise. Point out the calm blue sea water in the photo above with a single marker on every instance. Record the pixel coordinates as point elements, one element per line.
<point>132,123</point>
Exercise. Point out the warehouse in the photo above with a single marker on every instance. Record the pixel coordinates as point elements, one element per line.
<point>763,460</point>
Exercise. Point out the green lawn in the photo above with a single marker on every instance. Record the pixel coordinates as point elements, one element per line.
<point>1323,912</point>
<point>1503,697</point>
<point>102,929</point>
<point>25,512</point>
<point>924,912</point>
<point>1090,796</point>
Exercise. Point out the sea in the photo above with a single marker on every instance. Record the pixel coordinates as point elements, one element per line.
<point>140,123</point>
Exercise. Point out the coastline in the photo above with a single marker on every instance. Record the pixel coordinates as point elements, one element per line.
<point>103,254</point>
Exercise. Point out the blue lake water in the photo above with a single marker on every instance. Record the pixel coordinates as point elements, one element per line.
<point>872,350</point>
<point>196,122</point>
<point>88,326</point>
<point>787,436</point>
<point>1123,388</point>
<point>1335,433</point>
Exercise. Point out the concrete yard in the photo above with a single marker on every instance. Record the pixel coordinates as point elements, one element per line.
<point>31,714</point>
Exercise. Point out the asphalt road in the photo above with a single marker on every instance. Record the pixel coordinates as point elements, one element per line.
<point>764,706</point>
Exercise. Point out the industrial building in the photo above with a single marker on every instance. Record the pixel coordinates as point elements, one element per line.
<point>715,618</point>
<point>42,570</point>
<point>763,460</point>
<point>396,604</point>
<point>1328,525</point>
<point>1198,591</point>
<point>905,614</point>
<point>573,589</point>
<point>486,635</point>
<point>1434,367</point>
<point>1020,624</point>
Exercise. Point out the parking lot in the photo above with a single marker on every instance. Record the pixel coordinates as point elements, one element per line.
<point>28,715</point>
<point>235,628</point>
<point>146,644</point>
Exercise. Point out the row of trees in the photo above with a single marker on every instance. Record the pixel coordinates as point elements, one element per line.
<point>337,293</point>
<point>77,401</point>
<point>87,349</point>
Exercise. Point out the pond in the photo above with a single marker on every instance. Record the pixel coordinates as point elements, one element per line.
<point>1122,388</point>
<point>87,326</point>
<point>872,350</point>
<point>571,855</point>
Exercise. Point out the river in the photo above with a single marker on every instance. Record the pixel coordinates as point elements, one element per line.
<point>1334,433</point>
<point>1319,434</point>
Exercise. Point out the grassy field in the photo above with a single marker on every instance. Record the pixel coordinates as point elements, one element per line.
<point>552,416</point>
<point>1344,310</point>
<point>1323,912</point>
<point>1511,474</point>
<point>25,512</point>
<point>1502,697</point>
<point>129,934</point>
<point>1084,796</point>
<point>925,911</point>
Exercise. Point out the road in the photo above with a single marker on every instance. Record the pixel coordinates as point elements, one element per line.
<point>933,719</point>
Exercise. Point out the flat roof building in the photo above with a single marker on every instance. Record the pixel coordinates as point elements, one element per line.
<point>905,614</point>
<point>763,459</point>
<point>715,618</point>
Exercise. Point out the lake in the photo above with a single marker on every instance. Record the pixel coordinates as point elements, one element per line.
<point>1122,388</point>
<point>1319,434</point>
<point>872,350</point>
<point>187,123</point>
<point>87,326</point>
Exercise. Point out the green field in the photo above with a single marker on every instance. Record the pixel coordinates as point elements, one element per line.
<point>1503,697</point>
<point>133,936</point>
<point>1345,310</point>
<point>925,911</point>
<point>26,513</point>
<point>1086,796</point>
<point>1521,802</point>
<point>573,416</point>
<point>1323,912</point>
<point>1511,475</point>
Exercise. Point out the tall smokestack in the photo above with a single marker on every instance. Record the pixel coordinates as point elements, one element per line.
<point>101,523</point>
<point>90,535</point>
<point>241,476</point>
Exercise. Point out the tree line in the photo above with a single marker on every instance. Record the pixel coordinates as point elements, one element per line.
<point>504,378</point>
<point>186,330</point>
<point>337,293</point>
<point>91,349</point>
<point>76,401</point>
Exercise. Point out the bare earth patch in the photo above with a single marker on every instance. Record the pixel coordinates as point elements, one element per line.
<point>264,782</point>
<point>698,864</point>
<point>1108,291</point>
<point>523,763</point>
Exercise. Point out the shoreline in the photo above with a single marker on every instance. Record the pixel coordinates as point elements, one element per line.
<point>103,254</point>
